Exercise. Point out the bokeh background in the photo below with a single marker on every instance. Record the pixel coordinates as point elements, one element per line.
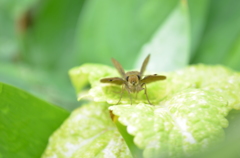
<point>41,40</point>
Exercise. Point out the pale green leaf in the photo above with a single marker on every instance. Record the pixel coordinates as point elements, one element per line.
<point>190,109</point>
<point>181,125</point>
<point>88,132</point>
<point>170,44</point>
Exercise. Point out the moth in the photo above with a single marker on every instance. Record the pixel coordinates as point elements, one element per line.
<point>132,81</point>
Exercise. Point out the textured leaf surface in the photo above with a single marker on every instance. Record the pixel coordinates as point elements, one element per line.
<point>182,124</point>
<point>190,118</point>
<point>190,112</point>
<point>88,132</point>
<point>26,122</point>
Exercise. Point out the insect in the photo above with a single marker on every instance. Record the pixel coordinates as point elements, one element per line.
<point>132,81</point>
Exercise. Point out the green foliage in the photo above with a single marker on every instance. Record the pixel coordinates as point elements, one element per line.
<point>170,43</point>
<point>123,27</point>
<point>187,118</point>
<point>220,39</point>
<point>26,123</point>
<point>230,146</point>
<point>88,132</point>
<point>41,40</point>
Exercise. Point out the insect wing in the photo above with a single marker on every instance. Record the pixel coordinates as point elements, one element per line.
<point>118,66</point>
<point>152,78</point>
<point>113,80</point>
<point>144,65</point>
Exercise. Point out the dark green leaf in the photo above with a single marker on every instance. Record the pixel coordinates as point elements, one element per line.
<point>26,122</point>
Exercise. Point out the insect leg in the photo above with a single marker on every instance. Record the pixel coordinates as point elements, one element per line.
<point>130,97</point>
<point>136,95</point>
<point>121,95</point>
<point>145,91</point>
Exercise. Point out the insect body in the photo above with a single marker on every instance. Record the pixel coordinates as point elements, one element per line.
<point>132,81</point>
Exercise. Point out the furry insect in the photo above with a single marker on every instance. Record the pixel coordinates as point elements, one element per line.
<point>133,81</point>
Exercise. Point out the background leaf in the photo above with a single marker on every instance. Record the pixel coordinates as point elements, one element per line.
<point>170,44</point>
<point>198,13</point>
<point>26,122</point>
<point>10,12</point>
<point>43,84</point>
<point>221,35</point>
<point>27,28</point>
<point>118,29</point>
<point>49,42</point>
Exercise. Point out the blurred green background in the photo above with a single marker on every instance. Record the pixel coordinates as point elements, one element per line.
<point>41,40</point>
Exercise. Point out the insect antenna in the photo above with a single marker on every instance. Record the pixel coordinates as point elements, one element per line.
<point>144,65</point>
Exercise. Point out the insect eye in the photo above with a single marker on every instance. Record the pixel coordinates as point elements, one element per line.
<point>127,78</point>
<point>138,77</point>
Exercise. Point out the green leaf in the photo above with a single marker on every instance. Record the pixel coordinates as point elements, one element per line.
<point>26,122</point>
<point>198,12</point>
<point>230,146</point>
<point>38,82</point>
<point>182,124</point>
<point>88,132</point>
<point>136,152</point>
<point>218,79</point>
<point>190,111</point>
<point>233,54</point>
<point>170,44</point>
<point>118,28</point>
<point>221,35</point>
